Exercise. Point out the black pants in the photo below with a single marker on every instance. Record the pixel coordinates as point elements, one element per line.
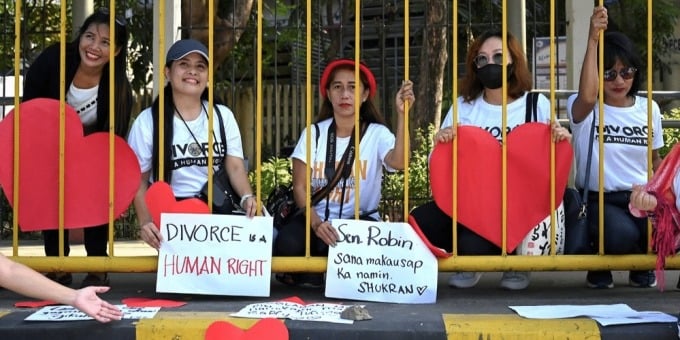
<point>291,239</point>
<point>94,238</point>
<point>623,232</point>
<point>437,227</point>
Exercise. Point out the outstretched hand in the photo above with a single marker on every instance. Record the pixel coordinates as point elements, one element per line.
<point>405,94</point>
<point>88,302</point>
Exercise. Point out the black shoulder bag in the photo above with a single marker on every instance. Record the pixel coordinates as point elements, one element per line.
<point>577,237</point>
<point>225,199</point>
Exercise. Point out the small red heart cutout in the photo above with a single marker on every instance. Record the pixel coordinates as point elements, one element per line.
<point>479,179</point>
<point>269,328</point>
<point>160,199</point>
<point>86,169</point>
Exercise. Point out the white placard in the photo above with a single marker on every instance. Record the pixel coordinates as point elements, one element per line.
<point>215,254</point>
<point>380,261</point>
<point>68,313</point>
<point>328,312</point>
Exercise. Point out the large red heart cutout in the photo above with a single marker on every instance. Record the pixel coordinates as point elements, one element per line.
<point>86,168</point>
<point>270,329</point>
<point>479,179</point>
<point>160,199</point>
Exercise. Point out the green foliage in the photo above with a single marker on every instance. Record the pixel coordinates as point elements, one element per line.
<point>419,184</point>
<point>670,135</point>
<point>275,171</point>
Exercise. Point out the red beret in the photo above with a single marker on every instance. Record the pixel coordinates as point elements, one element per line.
<point>323,84</point>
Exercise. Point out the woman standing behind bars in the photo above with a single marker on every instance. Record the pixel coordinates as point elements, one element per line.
<point>87,91</point>
<point>625,146</point>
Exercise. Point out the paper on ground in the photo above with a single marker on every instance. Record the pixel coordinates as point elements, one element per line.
<point>606,315</point>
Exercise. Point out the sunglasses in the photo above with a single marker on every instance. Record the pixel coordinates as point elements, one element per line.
<point>482,60</point>
<point>625,73</point>
<point>119,20</point>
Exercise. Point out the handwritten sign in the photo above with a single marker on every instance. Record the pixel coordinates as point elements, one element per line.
<point>68,313</point>
<point>328,312</point>
<point>380,261</point>
<point>215,254</point>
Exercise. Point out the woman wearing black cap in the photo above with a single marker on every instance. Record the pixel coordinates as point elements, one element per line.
<point>186,134</point>
<point>87,90</point>
<point>378,148</point>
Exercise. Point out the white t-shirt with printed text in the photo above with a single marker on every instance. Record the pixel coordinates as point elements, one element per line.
<point>375,144</point>
<point>188,162</point>
<point>625,144</point>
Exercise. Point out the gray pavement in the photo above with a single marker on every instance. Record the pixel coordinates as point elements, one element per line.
<point>390,321</point>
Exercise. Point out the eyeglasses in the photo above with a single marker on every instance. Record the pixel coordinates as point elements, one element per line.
<point>482,60</point>
<point>626,73</point>
<point>105,11</point>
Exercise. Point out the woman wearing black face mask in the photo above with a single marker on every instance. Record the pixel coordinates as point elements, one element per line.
<point>480,104</point>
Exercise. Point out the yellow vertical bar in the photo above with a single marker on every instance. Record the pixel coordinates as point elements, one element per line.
<point>259,96</point>
<point>504,148</point>
<point>62,124</point>
<point>650,54</point>
<point>308,119</point>
<point>407,146</point>
<point>454,126</point>
<point>357,105</point>
<point>15,170</point>
<point>112,118</point>
<point>161,91</point>
<point>553,225</point>
<point>211,100</point>
<point>600,67</point>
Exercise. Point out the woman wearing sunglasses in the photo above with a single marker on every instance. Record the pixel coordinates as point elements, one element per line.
<point>480,104</point>
<point>625,131</point>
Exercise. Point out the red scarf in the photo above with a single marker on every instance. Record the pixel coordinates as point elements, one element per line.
<point>665,217</point>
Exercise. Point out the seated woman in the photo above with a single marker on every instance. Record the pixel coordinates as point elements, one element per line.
<point>186,137</point>
<point>481,105</point>
<point>378,148</point>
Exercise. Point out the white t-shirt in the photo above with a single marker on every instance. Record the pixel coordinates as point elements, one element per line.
<point>189,163</point>
<point>84,101</point>
<point>489,116</point>
<point>374,146</point>
<point>625,144</point>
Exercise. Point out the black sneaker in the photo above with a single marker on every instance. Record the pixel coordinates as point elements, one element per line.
<point>600,279</point>
<point>95,279</point>
<point>642,278</point>
<point>64,279</point>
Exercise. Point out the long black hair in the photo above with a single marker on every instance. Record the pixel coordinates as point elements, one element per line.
<point>168,129</point>
<point>122,90</point>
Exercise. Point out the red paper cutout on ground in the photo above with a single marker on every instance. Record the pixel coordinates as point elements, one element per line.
<point>160,199</point>
<point>270,329</point>
<point>147,302</point>
<point>86,166</point>
<point>35,304</point>
<point>479,179</point>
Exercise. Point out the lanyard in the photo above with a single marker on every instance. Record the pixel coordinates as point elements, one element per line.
<point>345,164</point>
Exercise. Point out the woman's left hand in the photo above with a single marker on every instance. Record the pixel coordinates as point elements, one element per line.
<point>560,133</point>
<point>405,94</point>
<point>250,206</point>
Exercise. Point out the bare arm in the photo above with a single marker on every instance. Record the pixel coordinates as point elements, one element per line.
<point>395,158</point>
<point>238,177</point>
<point>589,82</point>
<point>148,229</point>
<point>25,281</point>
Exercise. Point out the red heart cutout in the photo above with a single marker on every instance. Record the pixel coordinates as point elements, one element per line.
<point>479,179</point>
<point>269,328</point>
<point>86,167</point>
<point>160,199</point>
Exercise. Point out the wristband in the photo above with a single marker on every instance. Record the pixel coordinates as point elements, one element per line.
<point>244,198</point>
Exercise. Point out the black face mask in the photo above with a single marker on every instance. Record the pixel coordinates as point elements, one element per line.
<point>491,75</point>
